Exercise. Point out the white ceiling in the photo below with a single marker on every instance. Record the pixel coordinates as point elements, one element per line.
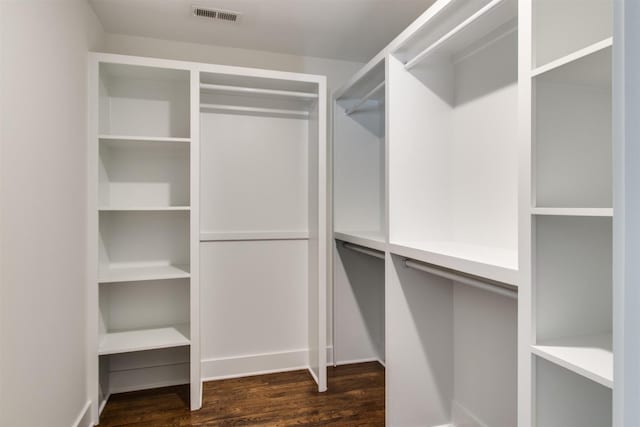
<point>353,30</point>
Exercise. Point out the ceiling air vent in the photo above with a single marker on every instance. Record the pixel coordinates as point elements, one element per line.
<point>216,14</point>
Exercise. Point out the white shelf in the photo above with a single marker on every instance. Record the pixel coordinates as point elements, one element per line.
<point>141,138</point>
<point>492,263</point>
<point>589,356</point>
<point>225,236</point>
<point>368,239</point>
<point>144,339</point>
<point>573,57</point>
<point>604,212</point>
<point>144,208</point>
<point>136,274</point>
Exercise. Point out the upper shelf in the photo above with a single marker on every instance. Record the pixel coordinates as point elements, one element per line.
<point>368,239</point>
<point>134,139</point>
<point>589,356</point>
<point>491,263</point>
<point>143,273</point>
<point>144,339</point>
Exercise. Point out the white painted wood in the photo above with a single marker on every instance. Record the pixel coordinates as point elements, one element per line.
<point>573,277</point>
<point>369,239</point>
<point>144,101</point>
<point>569,400</point>
<point>133,139</point>
<point>574,56</point>
<point>244,193</point>
<point>143,208</point>
<point>224,236</point>
<point>493,263</point>
<point>145,173</point>
<point>133,274</point>
<point>573,134</point>
<point>195,354</point>
<point>454,176</point>
<point>257,110</point>
<point>359,299</point>
<point>563,27</point>
<point>589,356</point>
<point>254,364</point>
<point>145,339</point>
<point>606,212</point>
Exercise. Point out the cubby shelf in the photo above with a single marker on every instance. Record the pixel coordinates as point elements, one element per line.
<point>589,356</point>
<point>368,239</point>
<point>604,212</point>
<point>136,274</point>
<point>144,339</point>
<point>141,138</point>
<point>491,263</point>
<point>573,57</point>
<point>144,208</point>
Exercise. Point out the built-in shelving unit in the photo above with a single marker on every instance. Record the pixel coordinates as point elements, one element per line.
<point>359,217</point>
<point>263,229</point>
<point>143,206</point>
<point>567,99</point>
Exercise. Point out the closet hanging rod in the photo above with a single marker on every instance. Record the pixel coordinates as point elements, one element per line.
<point>241,109</point>
<point>455,31</point>
<point>257,91</point>
<point>364,99</point>
<point>461,278</point>
<point>367,251</point>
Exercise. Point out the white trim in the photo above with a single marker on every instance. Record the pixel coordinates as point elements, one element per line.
<point>103,404</point>
<point>254,364</point>
<point>224,236</point>
<point>575,56</point>
<point>356,361</point>
<point>256,91</point>
<point>149,386</point>
<point>84,417</point>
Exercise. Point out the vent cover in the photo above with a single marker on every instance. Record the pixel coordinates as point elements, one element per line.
<point>217,14</point>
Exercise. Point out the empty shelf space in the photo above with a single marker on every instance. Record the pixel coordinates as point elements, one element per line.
<point>494,16</point>
<point>605,212</point>
<point>134,274</point>
<point>143,208</point>
<point>492,263</point>
<point>574,57</point>
<point>123,138</point>
<point>368,239</point>
<point>144,339</point>
<point>589,356</point>
<point>230,89</point>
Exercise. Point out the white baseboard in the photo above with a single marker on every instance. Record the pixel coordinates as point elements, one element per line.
<point>354,361</point>
<point>144,378</point>
<point>253,364</point>
<point>84,417</point>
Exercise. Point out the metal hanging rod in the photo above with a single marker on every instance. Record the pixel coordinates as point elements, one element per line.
<point>461,278</point>
<point>458,29</point>
<point>367,251</point>
<point>364,99</point>
<point>241,109</point>
<point>257,91</point>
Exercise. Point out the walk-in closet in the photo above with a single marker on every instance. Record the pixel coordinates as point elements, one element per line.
<point>416,213</point>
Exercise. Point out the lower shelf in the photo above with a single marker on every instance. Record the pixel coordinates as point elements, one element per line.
<point>144,339</point>
<point>589,356</point>
<point>491,263</point>
<point>134,274</point>
<point>368,239</point>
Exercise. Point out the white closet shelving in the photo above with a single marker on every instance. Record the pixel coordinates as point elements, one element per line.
<point>141,155</point>
<point>359,217</point>
<point>263,229</point>
<point>568,211</point>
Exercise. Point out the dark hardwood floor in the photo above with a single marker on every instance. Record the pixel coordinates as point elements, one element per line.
<point>355,398</point>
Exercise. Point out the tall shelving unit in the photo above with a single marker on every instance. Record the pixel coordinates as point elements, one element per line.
<point>359,217</point>
<point>143,223</point>
<point>566,212</point>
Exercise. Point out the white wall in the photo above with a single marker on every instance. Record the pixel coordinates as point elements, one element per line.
<point>337,72</point>
<point>43,123</point>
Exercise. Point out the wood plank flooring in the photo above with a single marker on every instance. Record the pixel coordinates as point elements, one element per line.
<point>355,398</point>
